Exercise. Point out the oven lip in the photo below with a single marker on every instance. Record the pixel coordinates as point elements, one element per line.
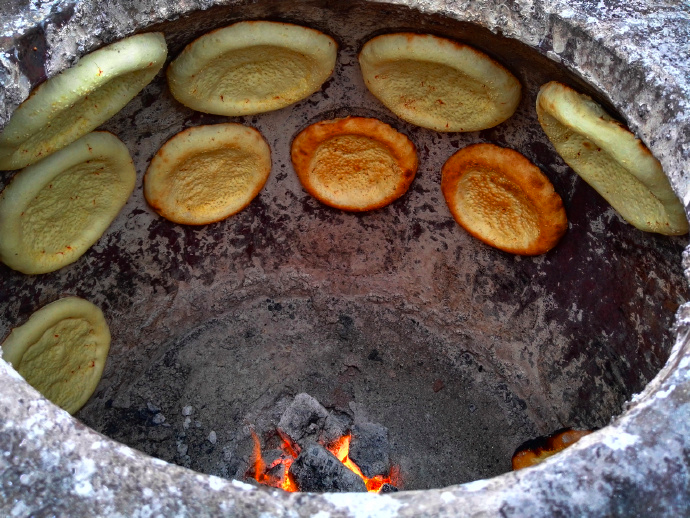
<point>637,462</point>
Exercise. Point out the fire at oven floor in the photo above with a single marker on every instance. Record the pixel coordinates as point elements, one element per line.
<point>317,450</point>
<point>447,419</point>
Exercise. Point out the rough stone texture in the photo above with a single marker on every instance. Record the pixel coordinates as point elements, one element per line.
<point>635,56</point>
<point>317,470</point>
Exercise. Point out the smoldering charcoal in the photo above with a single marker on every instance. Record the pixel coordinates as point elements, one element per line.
<point>317,469</point>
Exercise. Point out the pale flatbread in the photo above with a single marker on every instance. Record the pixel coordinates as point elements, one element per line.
<point>610,159</point>
<point>501,198</point>
<point>438,83</point>
<point>207,173</point>
<point>79,99</point>
<point>54,210</point>
<point>61,351</point>
<point>251,67</point>
<point>355,163</point>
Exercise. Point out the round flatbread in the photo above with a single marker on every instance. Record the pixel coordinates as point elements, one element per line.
<point>611,159</point>
<point>355,163</point>
<point>251,67</point>
<point>61,351</point>
<point>438,83</point>
<point>207,173</point>
<point>536,451</point>
<point>79,99</point>
<point>54,210</point>
<point>504,200</point>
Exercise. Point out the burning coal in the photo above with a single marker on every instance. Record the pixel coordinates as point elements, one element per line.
<point>318,452</point>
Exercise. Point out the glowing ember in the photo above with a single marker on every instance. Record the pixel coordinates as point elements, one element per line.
<point>341,449</point>
<point>266,474</point>
<point>272,475</point>
<point>259,464</point>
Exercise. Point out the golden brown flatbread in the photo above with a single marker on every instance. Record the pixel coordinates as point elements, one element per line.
<point>207,173</point>
<point>438,83</point>
<point>610,159</point>
<point>252,67</point>
<point>501,198</point>
<point>538,450</point>
<point>354,163</point>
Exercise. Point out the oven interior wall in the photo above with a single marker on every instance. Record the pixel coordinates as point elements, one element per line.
<point>366,312</point>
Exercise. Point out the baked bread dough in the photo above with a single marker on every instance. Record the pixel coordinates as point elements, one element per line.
<point>610,159</point>
<point>251,67</point>
<point>537,450</point>
<point>354,163</point>
<point>55,209</point>
<point>438,83</point>
<point>207,173</point>
<point>61,351</point>
<point>504,200</point>
<point>81,98</point>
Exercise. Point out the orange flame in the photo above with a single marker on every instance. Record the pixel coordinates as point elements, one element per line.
<point>288,483</point>
<point>259,464</point>
<point>340,448</point>
<point>260,469</point>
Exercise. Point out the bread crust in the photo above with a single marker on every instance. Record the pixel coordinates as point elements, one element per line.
<point>501,198</point>
<point>537,450</point>
<point>79,99</point>
<point>438,83</point>
<point>611,159</point>
<point>61,351</point>
<point>54,210</point>
<point>354,163</point>
<point>251,67</point>
<point>207,173</point>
